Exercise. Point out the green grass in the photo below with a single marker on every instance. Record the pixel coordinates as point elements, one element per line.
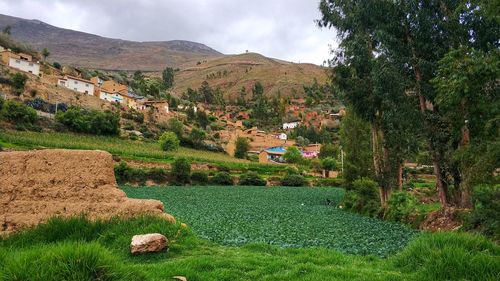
<point>137,150</point>
<point>75,249</point>
<point>282,216</point>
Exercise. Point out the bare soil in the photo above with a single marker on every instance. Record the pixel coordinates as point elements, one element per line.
<point>37,185</point>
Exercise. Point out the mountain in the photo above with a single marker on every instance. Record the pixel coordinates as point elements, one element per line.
<point>195,62</point>
<point>231,73</point>
<point>92,51</point>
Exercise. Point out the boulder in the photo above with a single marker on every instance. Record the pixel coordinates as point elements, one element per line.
<point>148,243</point>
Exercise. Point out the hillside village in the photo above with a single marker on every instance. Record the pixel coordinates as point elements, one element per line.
<point>66,84</point>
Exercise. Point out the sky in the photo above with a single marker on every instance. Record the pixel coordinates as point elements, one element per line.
<point>283,29</point>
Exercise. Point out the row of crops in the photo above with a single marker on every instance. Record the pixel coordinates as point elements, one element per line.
<point>287,217</point>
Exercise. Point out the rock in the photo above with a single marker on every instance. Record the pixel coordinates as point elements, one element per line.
<point>180,278</point>
<point>148,243</point>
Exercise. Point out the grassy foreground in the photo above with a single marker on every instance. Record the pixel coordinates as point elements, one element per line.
<point>283,216</point>
<point>76,249</point>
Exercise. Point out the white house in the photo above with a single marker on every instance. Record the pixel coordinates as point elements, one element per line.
<point>291,125</point>
<point>282,136</point>
<point>77,84</point>
<point>23,62</point>
<point>111,97</point>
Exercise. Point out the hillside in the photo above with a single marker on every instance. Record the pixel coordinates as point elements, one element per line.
<point>92,51</point>
<point>231,73</point>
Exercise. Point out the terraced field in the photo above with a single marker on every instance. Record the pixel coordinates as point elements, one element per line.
<point>282,216</point>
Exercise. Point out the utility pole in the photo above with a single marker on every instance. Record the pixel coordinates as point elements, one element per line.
<point>342,159</point>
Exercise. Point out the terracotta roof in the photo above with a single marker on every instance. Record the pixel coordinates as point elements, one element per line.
<point>78,79</point>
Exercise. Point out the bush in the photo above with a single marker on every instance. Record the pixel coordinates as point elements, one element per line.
<point>330,182</point>
<point>56,65</point>
<point>18,113</point>
<point>293,180</point>
<point>90,121</point>
<point>485,217</point>
<point>401,207</point>
<point>18,81</point>
<point>169,141</point>
<point>252,179</point>
<point>127,174</point>
<point>222,178</point>
<point>199,177</point>
<point>293,155</point>
<point>242,147</point>
<point>363,198</point>
<point>158,175</point>
<point>181,171</point>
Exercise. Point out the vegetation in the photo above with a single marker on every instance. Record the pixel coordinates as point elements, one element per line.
<point>168,77</point>
<point>293,180</point>
<point>222,178</point>
<point>363,198</point>
<point>290,218</point>
<point>485,216</point>
<point>90,121</point>
<point>127,174</point>
<point>18,81</point>
<point>169,141</point>
<point>293,155</point>
<point>17,113</point>
<point>199,177</point>
<point>181,171</point>
<point>77,249</point>
<point>242,147</point>
<point>252,179</point>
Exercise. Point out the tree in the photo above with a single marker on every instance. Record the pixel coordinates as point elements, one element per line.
<point>57,65</point>
<point>293,155</point>
<point>355,141</point>
<point>206,93</point>
<point>18,83</point>
<point>302,142</point>
<point>45,53</point>
<point>168,77</point>
<point>169,141</point>
<point>181,171</point>
<point>176,126</point>
<point>328,150</point>
<point>197,136</point>
<point>242,147</point>
<point>241,100</point>
<point>329,164</point>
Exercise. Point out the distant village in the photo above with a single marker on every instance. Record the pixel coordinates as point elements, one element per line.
<point>268,146</point>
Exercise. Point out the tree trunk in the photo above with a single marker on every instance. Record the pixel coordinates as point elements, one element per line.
<point>400,175</point>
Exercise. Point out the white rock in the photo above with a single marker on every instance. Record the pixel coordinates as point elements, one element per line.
<point>148,243</point>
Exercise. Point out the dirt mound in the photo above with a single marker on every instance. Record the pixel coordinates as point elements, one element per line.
<point>443,220</point>
<point>36,185</point>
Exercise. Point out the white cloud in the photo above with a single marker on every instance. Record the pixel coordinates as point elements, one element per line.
<point>283,29</point>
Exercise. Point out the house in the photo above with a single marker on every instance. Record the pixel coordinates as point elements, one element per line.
<point>272,155</point>
<point>111,97</point>
<point>114,87</point>
<point>290,125</point>
<point>21,61</point>
<point>77,84</point>
<point>161,106</point>
<point>282,136</point>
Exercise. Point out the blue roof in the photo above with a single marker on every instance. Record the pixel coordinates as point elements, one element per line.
<point>277,149</point>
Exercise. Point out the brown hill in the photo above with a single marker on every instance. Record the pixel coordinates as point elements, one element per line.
<point>92,51</point>
<point>231,73</point>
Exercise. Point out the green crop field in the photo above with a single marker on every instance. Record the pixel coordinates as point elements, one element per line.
<point>282,216</point>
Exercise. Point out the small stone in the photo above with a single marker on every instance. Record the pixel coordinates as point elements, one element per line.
<point>148,243</point>
<point>180,278</point>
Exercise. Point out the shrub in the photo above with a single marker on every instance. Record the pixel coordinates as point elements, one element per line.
<point>485,217</point>
<point>181,171</point>
<point>328,150</point>
<point>252,179</point>
<point>18,113</point>
<point>169,141</point>
<point>222,178</point>
<point>199,177</point>
<point>293,155</point>
<point>401,207</point>
<point>242,147</point>
<point>56,65</point>
<point>329,164</point>
<point>157,175</point>
<point>330,182</point>
<point>18,81</point>
<point>291,170</point>
<point>125,173</point>
<point>293,180</point>
<point>90,121</point>
<point>363,198</point>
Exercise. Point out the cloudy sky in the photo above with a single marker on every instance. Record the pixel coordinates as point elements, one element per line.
<point>282,29</point>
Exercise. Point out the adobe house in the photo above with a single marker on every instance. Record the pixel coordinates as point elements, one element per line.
<point>161,106</point>
<point>272,155</point>
<point>21,61</point>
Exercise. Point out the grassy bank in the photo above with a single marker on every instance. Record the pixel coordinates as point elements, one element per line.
<point>136,150</point>
<point>76,249</point>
